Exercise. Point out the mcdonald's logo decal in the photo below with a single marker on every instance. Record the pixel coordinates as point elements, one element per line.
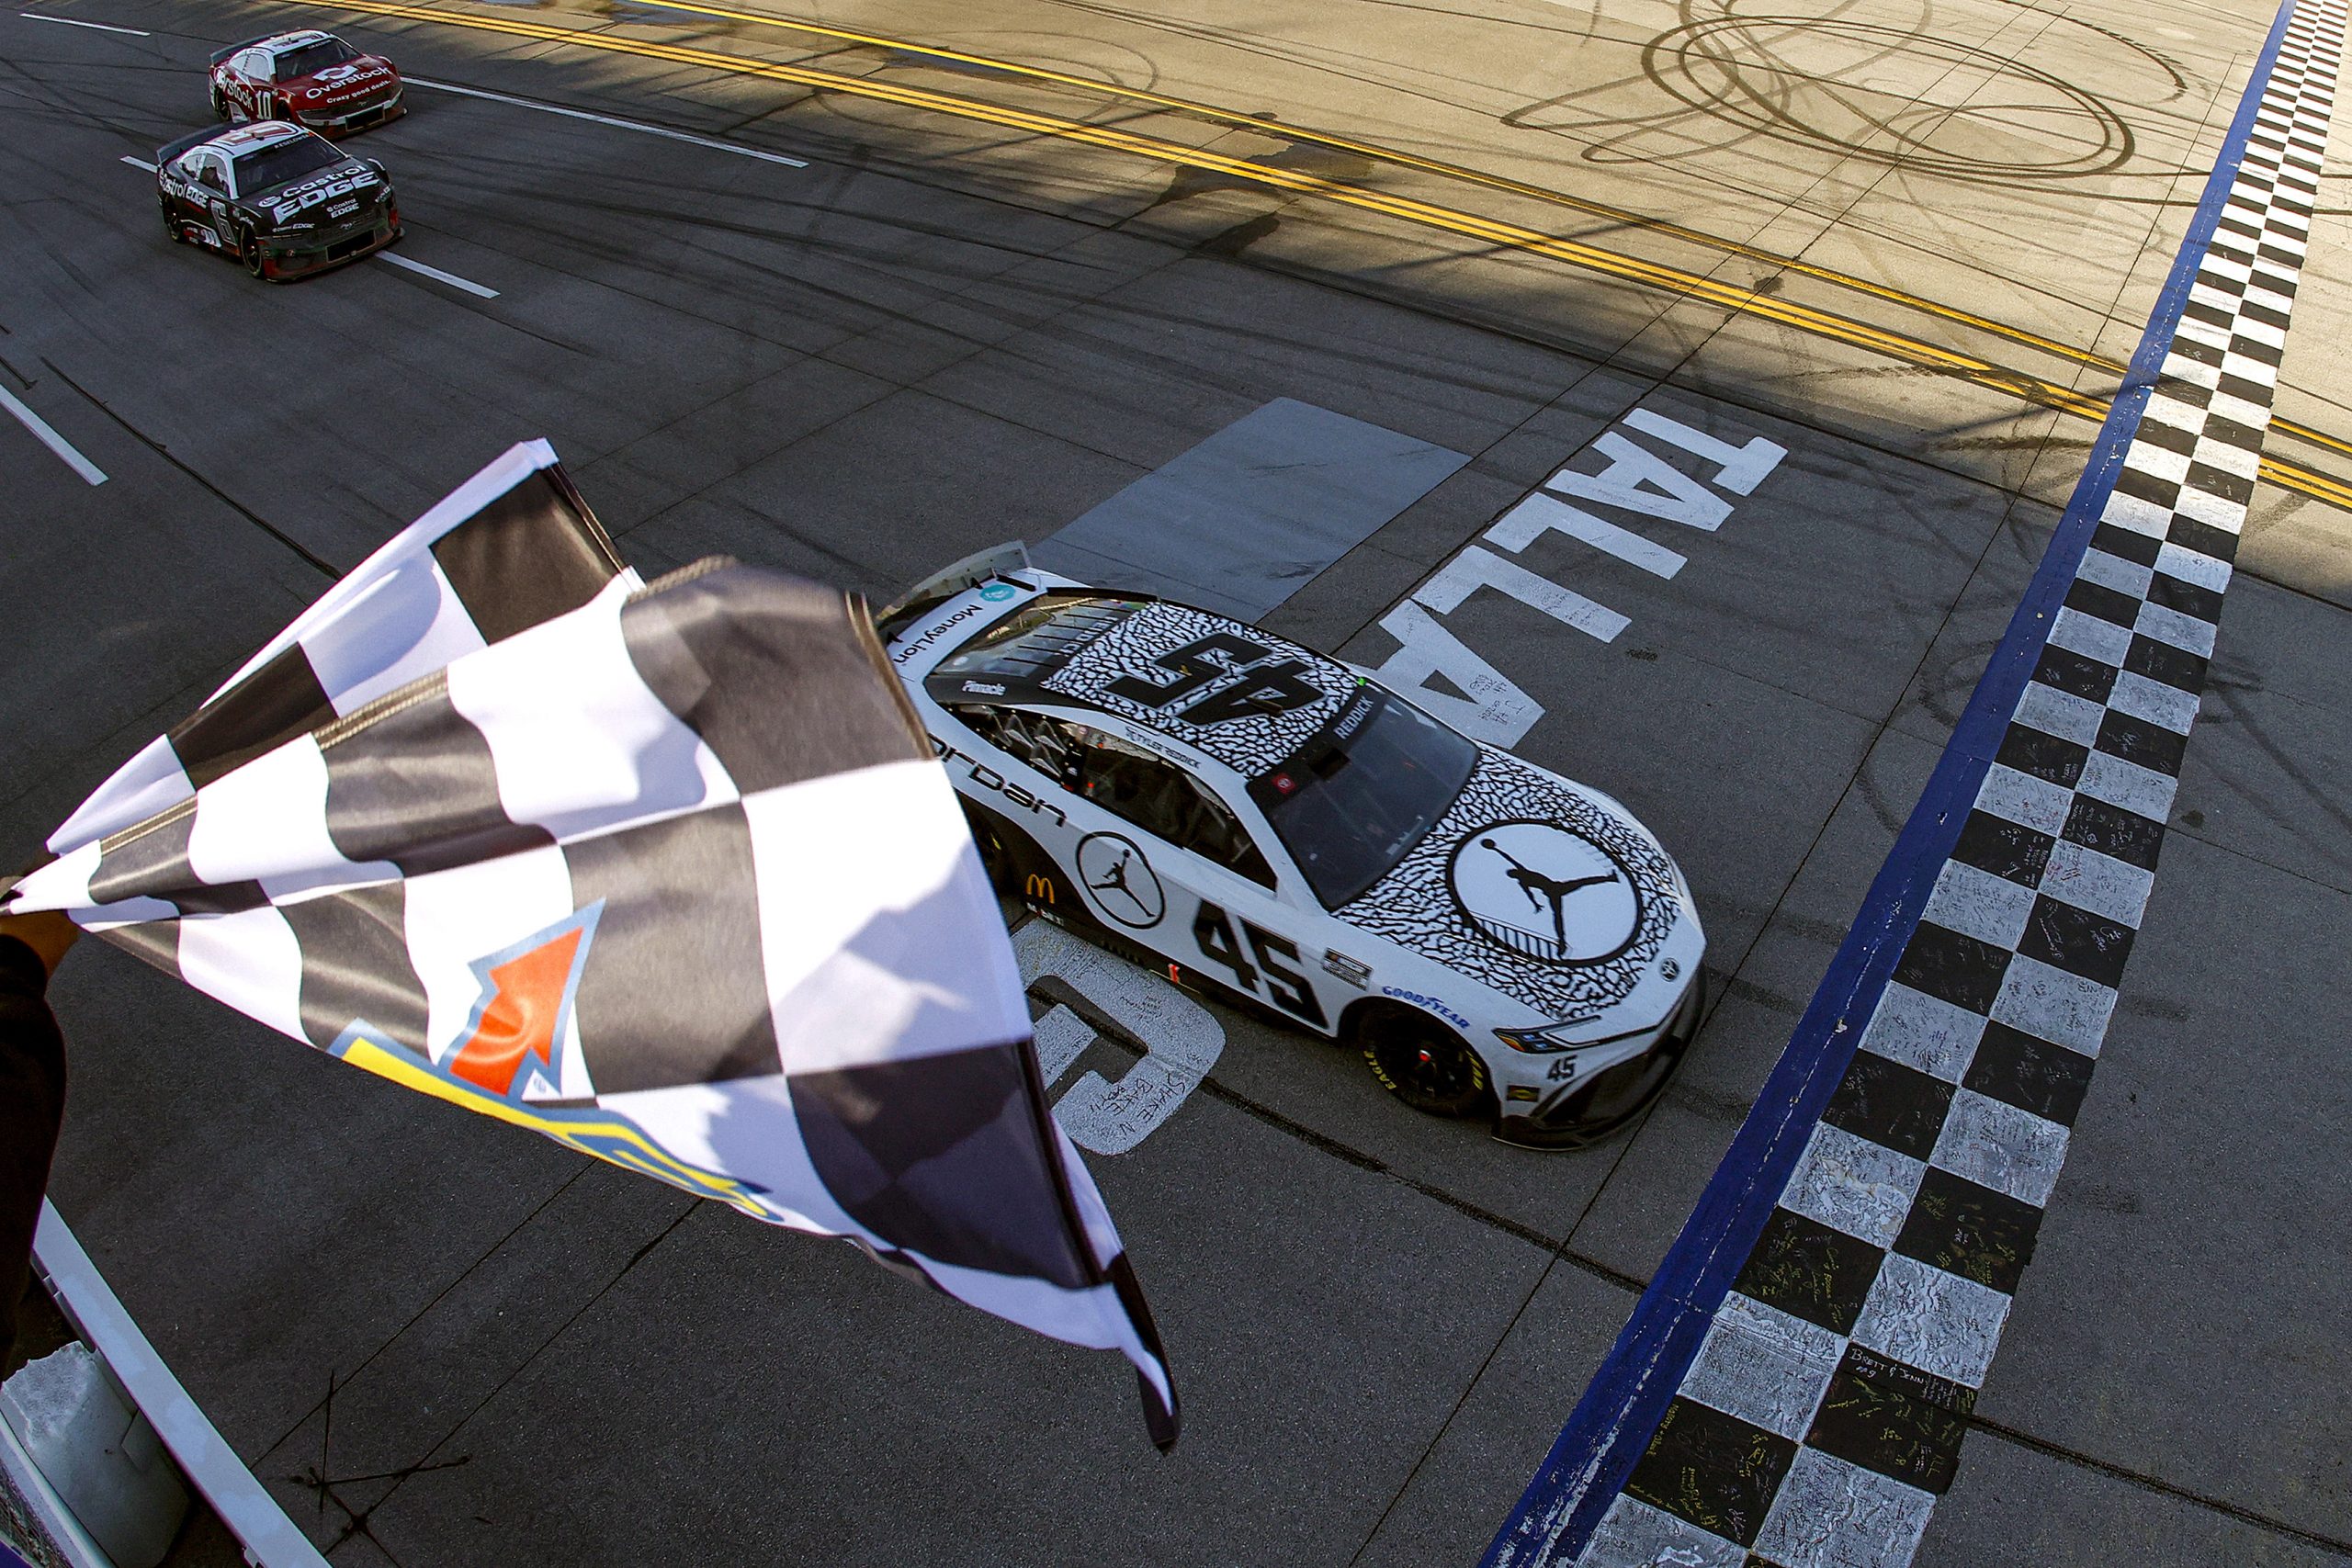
<point>1038,887</point>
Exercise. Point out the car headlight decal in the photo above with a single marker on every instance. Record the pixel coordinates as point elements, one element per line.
<point>1535,1042</point>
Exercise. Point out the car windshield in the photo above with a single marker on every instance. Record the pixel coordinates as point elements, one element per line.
<point>297,63</point>
<point>1363,792</point>
<point>284,162</point>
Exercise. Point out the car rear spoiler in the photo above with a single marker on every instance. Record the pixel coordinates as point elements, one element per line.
<point>969,572</point>
<point>220,54</point>
<point>171,150</point>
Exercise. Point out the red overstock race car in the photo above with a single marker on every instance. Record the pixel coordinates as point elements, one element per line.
<point>311,78</point>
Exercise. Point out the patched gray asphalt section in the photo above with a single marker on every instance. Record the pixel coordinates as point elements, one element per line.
<point>1245,519</point>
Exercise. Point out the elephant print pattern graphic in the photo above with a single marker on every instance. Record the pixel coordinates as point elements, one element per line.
<point>1532,888</point>
<point>1251,700</point>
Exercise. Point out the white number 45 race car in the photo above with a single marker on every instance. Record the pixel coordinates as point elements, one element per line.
<point>1274,825</point>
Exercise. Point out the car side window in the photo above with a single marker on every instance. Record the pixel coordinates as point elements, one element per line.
<point>208,175</point>
<point>1044,743</point>
<point>1162,798</point>
<point>1127,781</point>
<point>253,65</point>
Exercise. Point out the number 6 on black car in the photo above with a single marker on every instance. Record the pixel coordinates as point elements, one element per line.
<point>282,200</point>
<point>1251,816</point>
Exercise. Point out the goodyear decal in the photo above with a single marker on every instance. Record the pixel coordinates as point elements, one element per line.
<point>1431,1003</point>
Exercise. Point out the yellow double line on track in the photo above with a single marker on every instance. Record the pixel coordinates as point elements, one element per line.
<point>1467,175</point>
<point>1676,281</point>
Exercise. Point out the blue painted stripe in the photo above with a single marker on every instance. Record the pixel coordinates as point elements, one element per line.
<point>1611,1425</point>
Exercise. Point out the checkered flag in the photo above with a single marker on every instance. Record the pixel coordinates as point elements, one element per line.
<point>509,548</point>
<point>670,877</point>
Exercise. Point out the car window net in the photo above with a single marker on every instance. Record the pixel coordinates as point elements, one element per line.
<point>1044,743</point>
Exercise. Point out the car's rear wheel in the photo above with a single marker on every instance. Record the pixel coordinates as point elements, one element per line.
<point>171,221</point>
<point>248,251</point>
<point>1423,1062</point>
<point>220,105</point>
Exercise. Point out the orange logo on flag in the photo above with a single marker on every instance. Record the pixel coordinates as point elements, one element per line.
<point>527,998</point>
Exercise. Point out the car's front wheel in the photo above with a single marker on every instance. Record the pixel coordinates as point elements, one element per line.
<point>996,857</point>
<point>1423,1062</point>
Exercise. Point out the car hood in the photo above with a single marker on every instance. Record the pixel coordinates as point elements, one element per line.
<point>340,84</point>
<point>1541,889</point>
<point>319,185</point>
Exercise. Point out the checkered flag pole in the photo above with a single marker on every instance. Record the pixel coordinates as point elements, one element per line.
<point>674,879</point>
<point>512,546</point>
<point>1822,1413</point>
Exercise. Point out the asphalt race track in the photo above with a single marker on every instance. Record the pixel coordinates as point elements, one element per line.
<point>920,277</point>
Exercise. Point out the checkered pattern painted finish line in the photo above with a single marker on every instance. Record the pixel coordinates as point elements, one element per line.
<point>1824,1411</point>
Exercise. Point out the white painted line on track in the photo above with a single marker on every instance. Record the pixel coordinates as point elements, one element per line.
<point>253,1515</point>
<point>138,163</point>
<point>435,273</point>
<point>90,472</point>
<point>70,22</point>
<point>661,130</point>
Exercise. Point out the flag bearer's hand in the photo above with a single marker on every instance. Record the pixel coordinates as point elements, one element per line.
<point>48,933</point>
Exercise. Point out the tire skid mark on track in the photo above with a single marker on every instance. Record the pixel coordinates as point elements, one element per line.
<point>247,512</point>
<point>1465,175</point>
<point>2022,386</point>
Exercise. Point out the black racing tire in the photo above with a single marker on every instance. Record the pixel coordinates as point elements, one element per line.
<point>171,224</point>
<point>220,106</point>
<point>1424,1063</point>
<point>996,856</point>
<point>250,253</point>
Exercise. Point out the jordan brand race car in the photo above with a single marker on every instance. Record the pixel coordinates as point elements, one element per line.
<point>283,200</point>
<point>1271,824</point>
<point>311,78</point>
